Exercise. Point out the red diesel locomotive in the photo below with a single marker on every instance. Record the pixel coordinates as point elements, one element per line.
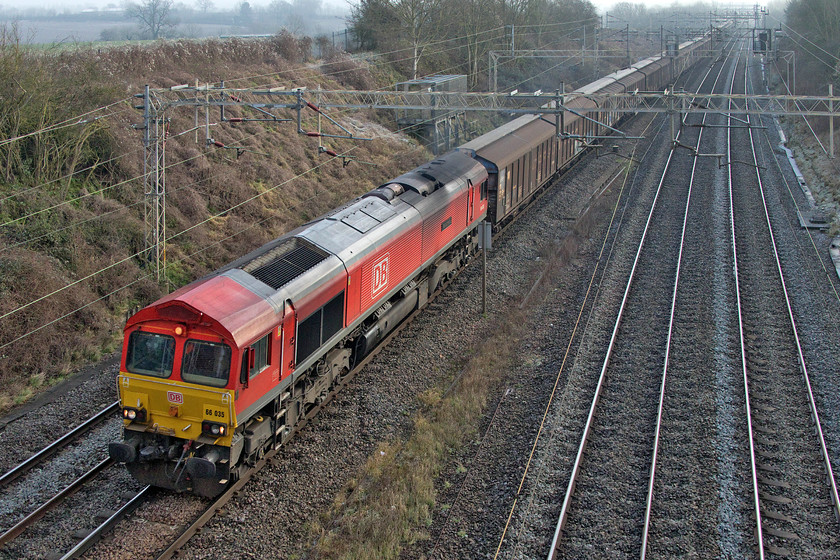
<point>218,372</point>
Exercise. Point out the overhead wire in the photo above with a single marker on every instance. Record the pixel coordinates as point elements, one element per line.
<point>72,121</point>
<point>93,193</point>
<point>110,187</point>
<point>183,161</point>
<point>76,199</point>
<point>79,119</point>
<point>394,51</point>
<point>89,168</point>
<point>174,236</point>
<point>119,184</point>
<point>787,86</point>
<point>375,56</point>
<point>96,217</point>
<point>783,24</point>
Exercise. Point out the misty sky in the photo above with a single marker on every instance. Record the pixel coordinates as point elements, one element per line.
<point>341,5</point>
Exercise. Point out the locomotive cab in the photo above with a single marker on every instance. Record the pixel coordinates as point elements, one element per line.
<point>178,414</point>
<point>179,381</point>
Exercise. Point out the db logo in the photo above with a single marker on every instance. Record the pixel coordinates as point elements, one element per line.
<point>175,398</point>
<point>380,276</point>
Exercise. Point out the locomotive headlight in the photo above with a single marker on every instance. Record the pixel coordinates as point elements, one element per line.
<point>214,429</point>
<point>134,414</point>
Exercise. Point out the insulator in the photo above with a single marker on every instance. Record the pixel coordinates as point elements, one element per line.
<point>235,98</point>
<point>313,107</point>
<point>331,153</point>
<point>236,119</point>
<point>218,144</point>
<point>313,134</point>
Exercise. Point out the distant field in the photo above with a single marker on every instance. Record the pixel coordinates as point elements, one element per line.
<point>43,31</point>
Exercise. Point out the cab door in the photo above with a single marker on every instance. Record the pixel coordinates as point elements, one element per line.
<point>287,352</point>
<point>471,202</point>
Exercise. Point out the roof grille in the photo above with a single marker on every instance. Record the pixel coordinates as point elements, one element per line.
<point>284,264</point>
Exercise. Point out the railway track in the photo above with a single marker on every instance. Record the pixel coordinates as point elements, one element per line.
<point>720,481</point>
<point>621,427</point>
<point>216,506</point>
<point>41,488</point>
<point>794,490</point>
<point>544,483</point>
<point>70,516</point>
<point>698,422</point>
<point>686,434</point>
<point>61,443</point>
<point>691,408</point>
<point>701,497</point>
<point>208,513</point>
<point>89,538</point>
<point>92,536</point>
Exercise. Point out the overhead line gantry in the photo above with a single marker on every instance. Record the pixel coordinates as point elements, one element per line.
<point>267,102</point>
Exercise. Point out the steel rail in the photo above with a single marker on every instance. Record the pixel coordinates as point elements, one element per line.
<point>564,512</point>
<point>815,415</point>
<point>671,320</point>
<point>94,536</point>
<point>750,435</point>
<point>592,283</point>
<point>12,475</point>
<point>68,491</point>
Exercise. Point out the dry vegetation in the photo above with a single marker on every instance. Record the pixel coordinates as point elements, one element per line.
<point>812,31</point>
<point>809,141</point>
<point>821,173</point>
<point>71,200</point>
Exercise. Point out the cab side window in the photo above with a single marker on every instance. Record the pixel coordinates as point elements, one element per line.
<point>262,353</point>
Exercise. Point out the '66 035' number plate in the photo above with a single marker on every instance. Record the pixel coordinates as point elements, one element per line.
<point>215,413</point>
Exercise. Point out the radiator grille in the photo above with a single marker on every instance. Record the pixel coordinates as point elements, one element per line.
<point>287,265</point>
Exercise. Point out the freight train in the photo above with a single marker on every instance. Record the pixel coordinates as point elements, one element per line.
<point>217,373</point>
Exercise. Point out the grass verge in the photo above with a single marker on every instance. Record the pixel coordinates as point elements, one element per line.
<point>392,499</point>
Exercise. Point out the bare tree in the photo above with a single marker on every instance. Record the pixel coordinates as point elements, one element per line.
<point>205,5</point>
<point>370,21</point>
<point>470,21</point>
<point>417,18</point>
<point>154,16</point>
